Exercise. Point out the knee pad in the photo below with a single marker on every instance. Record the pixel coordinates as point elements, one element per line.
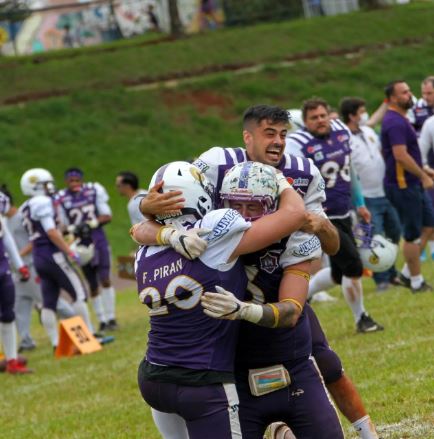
<point>329,365</point>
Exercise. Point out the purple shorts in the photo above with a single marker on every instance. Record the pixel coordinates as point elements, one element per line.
<point>98,270</point>
<point>304,405</point>
<point>7,298</point>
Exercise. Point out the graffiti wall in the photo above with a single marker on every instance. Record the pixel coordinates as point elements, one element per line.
<point>91,24</point>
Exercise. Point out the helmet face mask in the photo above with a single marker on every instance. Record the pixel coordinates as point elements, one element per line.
<point>250,182</point>
<point>196,190</point>
<point>376,252</point>
<point>37,181</point>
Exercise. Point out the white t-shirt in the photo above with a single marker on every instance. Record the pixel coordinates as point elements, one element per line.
<point>426,139</point>
<point>133,207</point>
<point>368,162</point>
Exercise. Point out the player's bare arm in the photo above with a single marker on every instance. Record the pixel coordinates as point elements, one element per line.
<point>326,232</point>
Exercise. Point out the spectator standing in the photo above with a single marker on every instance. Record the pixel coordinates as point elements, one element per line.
<point>405,181</point>
<point>127,185</point>
<point>369,165</point>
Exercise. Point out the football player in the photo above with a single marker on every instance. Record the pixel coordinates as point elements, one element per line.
<point>86,205</point>
<point>188,368</point>
<point>51,254</point>
<point>328,144</point>
<point>264,132</point>
<point>14,365</point>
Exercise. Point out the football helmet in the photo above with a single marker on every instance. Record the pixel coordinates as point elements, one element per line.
<point>196,189</point>
<point>37,181</point>
<point>85,252</point>
<point>376,252</point>
<point>251,181</point>
<point>295,120</point>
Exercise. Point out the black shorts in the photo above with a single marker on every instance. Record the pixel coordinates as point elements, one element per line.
<point>346,262</point>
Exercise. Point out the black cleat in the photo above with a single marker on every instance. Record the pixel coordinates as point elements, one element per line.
<point>424,287</point>
<point>405,281</point>
<point>102,327</point>
<point>112,325</point>
<point>367,324</point>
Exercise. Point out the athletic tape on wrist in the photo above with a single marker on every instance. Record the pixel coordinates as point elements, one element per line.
<point>252,312</point>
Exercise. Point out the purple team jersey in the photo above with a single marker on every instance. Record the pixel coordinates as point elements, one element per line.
<point>259,346</point>
<point>81,207</point>
<point>397,130</point>
<point>171,286</point>
<point>331,155</point>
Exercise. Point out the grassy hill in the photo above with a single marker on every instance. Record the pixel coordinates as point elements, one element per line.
<point>105,128</point>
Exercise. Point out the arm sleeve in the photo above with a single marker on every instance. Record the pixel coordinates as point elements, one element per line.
<point>227,229</point>
<point>315,194</point>
<point>208,162</point>
<point>356,190</point>
<point>10,246</point>
<point>102,200</point>
<point>300,247</point>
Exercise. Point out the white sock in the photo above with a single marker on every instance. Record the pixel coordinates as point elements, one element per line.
<point>405,271</point>
<point>416,281</point>
<point>99,309</point>
<point>322,280</point>
<point>431,246</point>
<point>365,428</point>
<point>170,425</point>
<point>49,322</point>
<point>108,299</point>
<point>81,309</point>
<point>353,292</point>
<point>9,337</point>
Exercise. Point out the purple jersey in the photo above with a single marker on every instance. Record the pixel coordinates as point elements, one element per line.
<point>34,211</point>
<point>300,172</point>
<point>85,206</point>
<point>171,286</point>
<point>331,154</point>
<point>397,130</point>
<point>259,346</point>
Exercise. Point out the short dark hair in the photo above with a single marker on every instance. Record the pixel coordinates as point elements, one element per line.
<point>313,104</point>
<point>428,80</point>
<point>261,112</point>
<point>4,188</point>
<point>130,179</point>
<point>350,106</point>
<point>73,172</point>
<point>389,90</point>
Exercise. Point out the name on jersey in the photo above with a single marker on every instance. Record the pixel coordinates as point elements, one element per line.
<point>307,247</point>
<point>224,225</point>
<point>164,270</point>
<point>335,153</point>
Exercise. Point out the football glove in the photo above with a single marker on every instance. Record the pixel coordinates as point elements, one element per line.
<point>224,305</point>
<point>24,273</point>
<point>187,243</point>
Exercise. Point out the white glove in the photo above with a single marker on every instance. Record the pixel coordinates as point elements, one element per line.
<point>224,305</point>
<point>93,223</point>
<point>187,243</point>
<point>282,182</point>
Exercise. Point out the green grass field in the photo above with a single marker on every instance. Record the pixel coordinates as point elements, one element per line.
<point>109,129</point>
<point>96,396</point>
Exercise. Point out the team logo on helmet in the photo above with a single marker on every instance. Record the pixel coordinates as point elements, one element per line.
<point>33,179</point>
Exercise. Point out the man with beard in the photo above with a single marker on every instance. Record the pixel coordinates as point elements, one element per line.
<point>328,143</point>
<point>406,181</point>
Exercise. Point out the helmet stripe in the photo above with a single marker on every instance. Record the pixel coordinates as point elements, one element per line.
<point>160,175</point>
<point>244,175</point>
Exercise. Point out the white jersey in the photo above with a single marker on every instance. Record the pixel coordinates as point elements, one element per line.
<point>133,207</point>
<point>426,139</point>
<point>368,162</point>
<point>20,235</point>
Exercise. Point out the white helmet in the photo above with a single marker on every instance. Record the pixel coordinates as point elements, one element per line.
<point>196,189</point>
<point>37,181</point>
<point>85,252</point>
<point>251,181</point>
<point>376,252</point>
<point>295,120</point>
